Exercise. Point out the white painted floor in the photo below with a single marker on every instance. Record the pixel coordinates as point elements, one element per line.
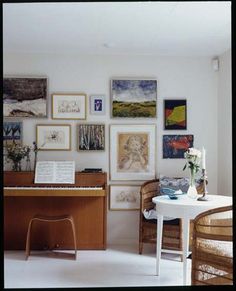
<point>118,266</point>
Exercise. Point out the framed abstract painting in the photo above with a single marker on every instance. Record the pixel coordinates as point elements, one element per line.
<point>134,98</point>
<point>175,114</point>
<point>25,97</point>
<point>132,152</point>
<point>174,146</point>
<point>12,132</point>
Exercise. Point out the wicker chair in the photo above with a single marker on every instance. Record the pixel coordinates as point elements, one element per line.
<point>172,229</point>
<point>212,247</point>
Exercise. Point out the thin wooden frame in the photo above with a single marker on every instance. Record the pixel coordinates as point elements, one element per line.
<point>133,98</point>
<point>53,137</point>
<point>175,114</point>
<point>69,106</point>
<point>90,137</point>
<point>124,197</point>
<point>132,152</point>
<point>97,104</point>
<point>25,96</point>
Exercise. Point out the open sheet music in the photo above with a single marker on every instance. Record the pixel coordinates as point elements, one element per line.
<point>55,172</point>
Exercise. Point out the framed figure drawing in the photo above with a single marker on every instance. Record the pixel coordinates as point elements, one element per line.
<point>68,106</point>
<point>174,145</point>
<point>12,132</point>
<point>175,114</point>
<point>132,152</point>
<point>124,197</point>
<point>25,97</point>
<point>91,137</point>
<point>97,104</point>
<point>134,98</point>
<point>53,137</point>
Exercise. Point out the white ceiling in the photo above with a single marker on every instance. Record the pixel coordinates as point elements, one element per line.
<point>160,28</point>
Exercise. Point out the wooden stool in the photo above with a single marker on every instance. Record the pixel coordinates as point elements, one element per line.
<point>49,219</point>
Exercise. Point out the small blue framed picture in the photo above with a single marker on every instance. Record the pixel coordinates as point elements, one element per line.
<point>97,104</point>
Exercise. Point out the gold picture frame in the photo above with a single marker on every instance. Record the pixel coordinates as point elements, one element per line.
<point>53,137</point>
<point>69,106</point>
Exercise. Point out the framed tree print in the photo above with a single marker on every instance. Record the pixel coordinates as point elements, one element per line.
<point>132,152</point>
<point>175,114</point>
<point>91,137</point>
<point>53,137</point>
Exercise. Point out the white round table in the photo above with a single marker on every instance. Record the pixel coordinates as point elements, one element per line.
<point>185,208</point>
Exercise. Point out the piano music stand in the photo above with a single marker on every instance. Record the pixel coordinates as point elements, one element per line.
<point>45,218</point>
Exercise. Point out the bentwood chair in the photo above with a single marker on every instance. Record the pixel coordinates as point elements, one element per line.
<point>212,247</point>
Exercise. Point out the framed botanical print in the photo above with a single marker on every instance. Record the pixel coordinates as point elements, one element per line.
<point>124,197</point>
<point>174,146</point>
<point>91,137</point>
<point>134,98</point>
<point>53,137</point>
<point>25,96</point>
<point>68,106</point>
<point>132,152</point>
<point>12,132</point>
<point>97,104</point>
<point>175,114</point>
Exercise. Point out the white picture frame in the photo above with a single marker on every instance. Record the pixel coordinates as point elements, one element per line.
<point>97,105</point>
<point>53,137</point>
<point>124,197</point>
<point>132,152</point>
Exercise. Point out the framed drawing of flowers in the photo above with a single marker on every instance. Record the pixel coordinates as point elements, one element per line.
<point>132,152</point>
<point>25,96</point>
<point>91,137</point>
<point>53,137</point>
<point>124,197</point>
<point>68,106</point>
<point>134,98</point>
<point>175,114</point>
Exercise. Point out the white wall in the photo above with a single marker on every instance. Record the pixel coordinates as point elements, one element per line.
<point>178,77</point>
<point>225,125</point>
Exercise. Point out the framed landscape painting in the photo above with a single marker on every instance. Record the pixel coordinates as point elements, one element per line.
<point>25,97</point>
<point>133,98</point>
<point>124,197</point>
<point>53,137</point>
<point>174,146</point>
<point>175,114</point>
<point>91,137</point>
<point>68,106</point>
<point>132,152</point>
<point>12,132</point>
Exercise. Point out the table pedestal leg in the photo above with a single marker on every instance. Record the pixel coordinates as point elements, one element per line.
<point>159,241</point>
<point>185,248</point>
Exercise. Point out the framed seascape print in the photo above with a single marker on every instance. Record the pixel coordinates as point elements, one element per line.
<point>174,146</point>
<point>68,106</point>
<point>53,137</point>
<point>97,104</point>
<point>12,132</point>
<point>132,152</point>
<point>25,97</point>
<point>124,197</point>
<point>175,114</point>
<point>134,98</point>
<point>91,137</point>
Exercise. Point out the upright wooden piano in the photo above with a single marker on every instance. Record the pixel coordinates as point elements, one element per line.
<point>86,201</point>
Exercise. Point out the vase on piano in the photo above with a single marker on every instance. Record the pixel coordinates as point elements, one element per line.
<point>16,166</point>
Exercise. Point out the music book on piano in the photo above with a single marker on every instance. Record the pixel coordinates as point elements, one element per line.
<point>55,172</point>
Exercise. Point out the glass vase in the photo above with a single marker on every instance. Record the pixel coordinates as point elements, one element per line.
<point>16,166</point>
<point>192,191</point>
